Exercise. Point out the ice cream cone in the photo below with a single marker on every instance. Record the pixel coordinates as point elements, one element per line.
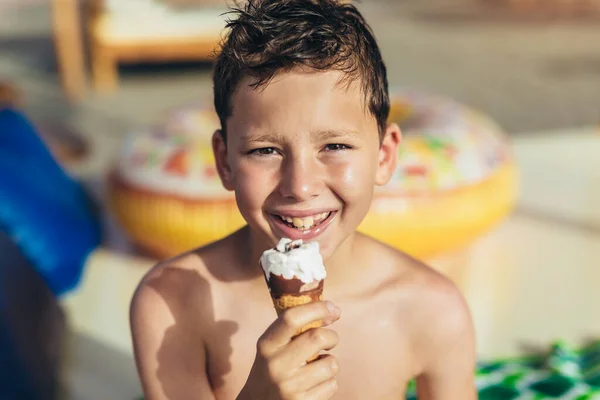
<point>294,278</point>
<point>288,301</point>
<point>282,300</point>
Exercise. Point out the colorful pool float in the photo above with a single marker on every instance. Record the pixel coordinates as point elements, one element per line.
<point>165,190</point>
<point>455,179</point>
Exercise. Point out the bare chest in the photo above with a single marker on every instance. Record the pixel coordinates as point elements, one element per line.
<point>374,358</point>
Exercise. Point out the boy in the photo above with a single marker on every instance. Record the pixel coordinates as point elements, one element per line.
<point>301,92</point>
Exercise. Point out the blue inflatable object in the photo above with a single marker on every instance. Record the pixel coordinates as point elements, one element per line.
<point>44,211</point>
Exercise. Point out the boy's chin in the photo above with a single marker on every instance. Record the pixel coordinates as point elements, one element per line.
<point>329,248</point>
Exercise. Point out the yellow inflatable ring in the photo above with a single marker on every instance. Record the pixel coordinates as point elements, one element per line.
<point>164,189</point>
<point>455,179</point>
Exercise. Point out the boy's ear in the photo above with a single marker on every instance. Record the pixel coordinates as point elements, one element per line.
<point>388,154</point>
<point>222,163</point>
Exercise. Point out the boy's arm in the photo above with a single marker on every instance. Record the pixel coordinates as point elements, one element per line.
<point>170,358</point>
<point>448,349</point>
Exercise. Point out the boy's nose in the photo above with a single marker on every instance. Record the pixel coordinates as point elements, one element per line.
<point>300,179</point>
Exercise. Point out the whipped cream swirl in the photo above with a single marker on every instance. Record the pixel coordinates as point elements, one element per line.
<point>294,259</point>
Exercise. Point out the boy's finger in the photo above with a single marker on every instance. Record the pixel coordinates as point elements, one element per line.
<point>292,320</point>
<point>307,345</point>
<point>312,374</point>
<point>322,391</point>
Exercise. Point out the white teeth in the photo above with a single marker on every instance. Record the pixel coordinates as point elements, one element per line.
<point>309,222</point>
<point>298,222</point>
<point>303,223</point>
<point>306,222</point>
<point>321,216</point>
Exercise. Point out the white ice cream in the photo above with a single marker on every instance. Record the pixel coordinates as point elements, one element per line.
<point>294,259</point>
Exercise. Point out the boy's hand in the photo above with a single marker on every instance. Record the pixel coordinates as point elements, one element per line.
<point>280,370</point>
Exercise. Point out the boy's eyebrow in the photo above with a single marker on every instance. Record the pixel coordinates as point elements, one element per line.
<point>272,137</point>
<point>321,135</point>
<point>328,134</point>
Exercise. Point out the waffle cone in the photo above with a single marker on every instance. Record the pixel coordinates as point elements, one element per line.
<point>285,301</point>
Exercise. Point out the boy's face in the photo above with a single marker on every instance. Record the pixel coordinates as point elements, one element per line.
<point>303,157</point>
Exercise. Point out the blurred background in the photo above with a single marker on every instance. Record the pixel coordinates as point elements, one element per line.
<point>88,75</point>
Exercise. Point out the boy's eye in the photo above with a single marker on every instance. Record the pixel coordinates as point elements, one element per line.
<point>264,151</point>
<point>337,147</point>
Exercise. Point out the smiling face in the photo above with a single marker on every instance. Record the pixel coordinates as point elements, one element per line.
<point>303,156</point>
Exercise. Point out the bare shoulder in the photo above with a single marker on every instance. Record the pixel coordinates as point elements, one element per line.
<point>416,282</point>
<point>432,307</point>
<point>438,304</point>
<point>440,316</point>
<point>167,288</point>
<point>170,315</point>
<point>182,284</point>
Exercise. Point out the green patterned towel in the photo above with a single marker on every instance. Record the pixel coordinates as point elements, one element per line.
<point>564,373</point>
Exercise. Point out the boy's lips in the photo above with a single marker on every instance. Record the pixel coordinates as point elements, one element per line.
<point>321,220</point>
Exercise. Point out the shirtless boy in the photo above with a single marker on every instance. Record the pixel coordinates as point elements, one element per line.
<point>301,91</point>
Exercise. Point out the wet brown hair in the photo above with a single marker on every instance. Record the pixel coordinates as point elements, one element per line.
<point>266,37</point>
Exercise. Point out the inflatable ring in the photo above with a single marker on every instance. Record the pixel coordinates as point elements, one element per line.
<point>165,191</point>
<point>455,179</point>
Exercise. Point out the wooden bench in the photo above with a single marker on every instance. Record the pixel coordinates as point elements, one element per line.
<point>120,32</point>
<point>128,32</point>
